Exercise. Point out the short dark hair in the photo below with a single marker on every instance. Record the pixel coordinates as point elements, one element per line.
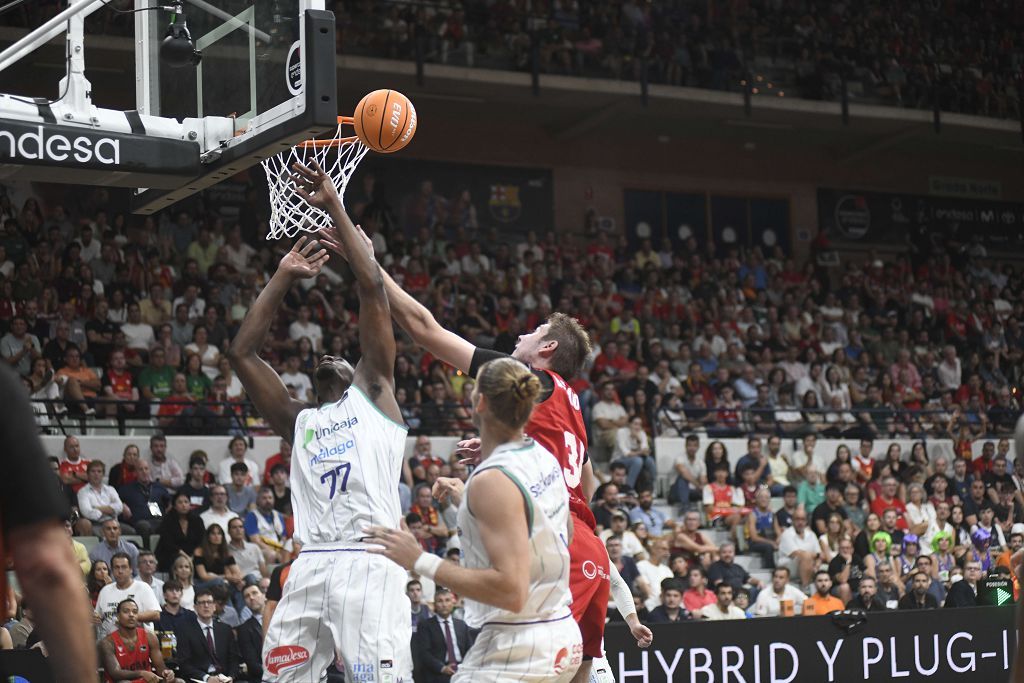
<point>671,584</point>
<point>240,467</point>
<point>173,585</point>
<point>278,468</point>
<point>124,602</point>
<point>820,572</point>
<point>441,590</point>
<point>413,518</point>
<point>410,584</point>
<point>120,556</point>
<point>203,592</point>
<point>788,490</point>
<point>618,465</point>
<point>690,438</point>
<point>158,436</point>
<point>834,486</point>
<point>722,584</point>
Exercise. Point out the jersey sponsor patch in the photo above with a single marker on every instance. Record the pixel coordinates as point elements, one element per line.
<point>285,657</point>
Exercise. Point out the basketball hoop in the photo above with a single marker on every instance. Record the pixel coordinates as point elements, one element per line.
<point>338,156</point>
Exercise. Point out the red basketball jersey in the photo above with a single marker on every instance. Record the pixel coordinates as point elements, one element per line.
<point>132,660</point>
<point>557,425</point>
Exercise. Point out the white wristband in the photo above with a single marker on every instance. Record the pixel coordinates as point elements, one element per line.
<point>427,565</point>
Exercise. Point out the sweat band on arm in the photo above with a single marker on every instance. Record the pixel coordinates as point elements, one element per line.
<point>427,565</point>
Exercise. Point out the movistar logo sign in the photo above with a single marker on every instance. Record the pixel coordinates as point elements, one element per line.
<point>320,432</point>
<point>41,144</point>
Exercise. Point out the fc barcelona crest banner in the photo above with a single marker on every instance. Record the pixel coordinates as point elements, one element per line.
<point>505,205</point>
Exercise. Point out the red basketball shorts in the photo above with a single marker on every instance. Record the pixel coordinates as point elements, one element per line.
<point>589,583</point>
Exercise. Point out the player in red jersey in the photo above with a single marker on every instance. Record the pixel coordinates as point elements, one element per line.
<point>131,653</point>
<point>555,352</point>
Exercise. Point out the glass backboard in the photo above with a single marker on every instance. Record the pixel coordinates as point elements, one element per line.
<point>254,70</point>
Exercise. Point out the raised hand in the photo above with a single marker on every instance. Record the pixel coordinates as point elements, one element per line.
<point>315,187</point>
<point>330,237</point>
<point>469,450</point>
<point>305,260</point>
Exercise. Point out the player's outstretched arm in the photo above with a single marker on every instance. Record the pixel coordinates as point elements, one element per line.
<point>416,320</point>
<point>375,372</point>
<point>263,385</point>
<point>501,514</point>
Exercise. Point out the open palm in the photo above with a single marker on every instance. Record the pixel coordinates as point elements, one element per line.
<point>305,260</point>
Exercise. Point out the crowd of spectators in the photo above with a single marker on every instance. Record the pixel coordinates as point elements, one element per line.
<point>127,320</point>
<point>962,55</point>
<point>875,529</point>
<point>965,55</point>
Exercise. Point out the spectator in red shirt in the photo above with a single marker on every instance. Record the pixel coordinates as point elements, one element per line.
<point>887,499</point>
<point>125,472</point>
<point>73,467</point>
<point>697,595</point>
<point>121,396</point>
<point>172,406</point>
<point>614,364</point>
<point>282,457</point>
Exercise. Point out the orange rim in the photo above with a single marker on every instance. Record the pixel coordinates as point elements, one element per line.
<point>333,142</point>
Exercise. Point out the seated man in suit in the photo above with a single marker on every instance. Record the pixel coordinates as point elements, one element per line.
<point>250,633</point>
<point>207,650</point>
<point>440,642</point>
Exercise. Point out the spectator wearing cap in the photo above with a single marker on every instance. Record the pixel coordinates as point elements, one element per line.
<point>671,609</point>
<point>631,546</point>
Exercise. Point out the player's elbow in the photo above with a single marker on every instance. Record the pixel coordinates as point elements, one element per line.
<point>514,595</point>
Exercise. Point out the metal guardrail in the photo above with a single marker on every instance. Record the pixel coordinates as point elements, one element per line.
<point>241,418</point>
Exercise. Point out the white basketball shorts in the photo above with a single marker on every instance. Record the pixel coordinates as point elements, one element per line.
<point>527,651</point>
<point>341,602</point>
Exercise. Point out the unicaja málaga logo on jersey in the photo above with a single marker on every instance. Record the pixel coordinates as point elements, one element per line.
<point>318,433</point>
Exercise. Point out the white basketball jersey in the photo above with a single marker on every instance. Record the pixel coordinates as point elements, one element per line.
<point>346,464</point>
<point>539,477</point>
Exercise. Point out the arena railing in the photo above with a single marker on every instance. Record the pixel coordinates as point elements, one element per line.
<point>240,417</point>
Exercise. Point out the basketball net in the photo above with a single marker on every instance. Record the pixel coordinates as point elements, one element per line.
<point>338,156</point>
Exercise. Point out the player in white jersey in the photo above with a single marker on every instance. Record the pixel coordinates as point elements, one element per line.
<point>514,522</point>
<point>346,464</point>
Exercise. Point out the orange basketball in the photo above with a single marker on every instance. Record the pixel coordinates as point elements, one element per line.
<point>385,121</point>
